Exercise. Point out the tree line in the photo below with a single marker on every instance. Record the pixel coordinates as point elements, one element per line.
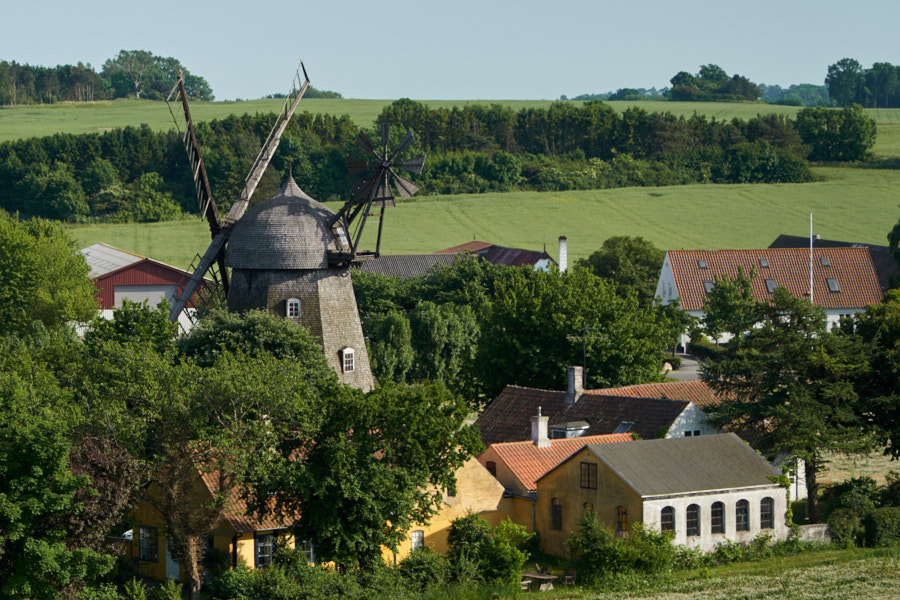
<point>876,87</point>
<point>135,174</point>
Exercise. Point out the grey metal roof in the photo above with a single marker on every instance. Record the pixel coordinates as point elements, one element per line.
<point>103,259</point>
<point>290,230</point>
<point>691,464</point>
<point>405,266</point>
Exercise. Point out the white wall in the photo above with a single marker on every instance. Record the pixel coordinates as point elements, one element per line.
<point>707,541</point>
<point>692,419</point>
<point>153,294</point>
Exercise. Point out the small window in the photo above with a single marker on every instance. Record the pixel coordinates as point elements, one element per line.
<point>833,285</point>
<point>771,285</point>
<point>764,263</point>
<point>688,433</point>
<point>693,520</point>
<point>708,286</point>
<point>293,308</point>
<point>621,520</point>
<point>667,519</point>
<point>417,538</point>
<point>491,466</point>
<point>589,476</point>
<point>555,515</point>
<point>306,547</point>
<point>624,427</point>
<point>824,261</point>
<point>148,543</point>
<point>767,513</point>
<point>717,518</point>
<point>348,360</point>
<point>265,548</point>
<point>557,434</point>
<point>742,516</point>
<point>702,264</point>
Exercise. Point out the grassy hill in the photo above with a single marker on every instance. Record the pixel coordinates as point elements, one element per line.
<point>848,204</point>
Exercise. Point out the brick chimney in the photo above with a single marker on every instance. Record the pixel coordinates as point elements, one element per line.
<point>576,384</point>
<point>563,254</point>
<point>539,430</point>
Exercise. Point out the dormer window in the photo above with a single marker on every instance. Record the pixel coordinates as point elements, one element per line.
<point>292,308</point>
<point>348,360</point>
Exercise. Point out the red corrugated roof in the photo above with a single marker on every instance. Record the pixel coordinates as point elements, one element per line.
<point>528,462</point>
<point>788,267</point>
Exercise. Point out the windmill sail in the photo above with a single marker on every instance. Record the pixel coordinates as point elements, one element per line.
<point>216,250</point>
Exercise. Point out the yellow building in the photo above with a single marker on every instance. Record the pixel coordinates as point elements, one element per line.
<point>705,489</point>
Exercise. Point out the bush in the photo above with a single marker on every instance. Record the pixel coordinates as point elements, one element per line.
<point>890,494</point>
<point>423,569</point>
<point>497,556</point>
<point>702,349</point>
<point>883,526</point>
<point>846,527</point>
<point>675,361</point>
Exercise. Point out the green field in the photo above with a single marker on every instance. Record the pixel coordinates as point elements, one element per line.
<point>849,204</point>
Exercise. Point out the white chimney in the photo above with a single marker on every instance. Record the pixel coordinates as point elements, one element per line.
<point>563,254</point>
<point>539,430</point>
<point>576,384</point>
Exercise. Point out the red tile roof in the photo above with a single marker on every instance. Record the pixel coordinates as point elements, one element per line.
<point>693,391</point>
<point>237,514</point>
<point>508,417</point>
<point>528,462</point>
<point>789,267</point>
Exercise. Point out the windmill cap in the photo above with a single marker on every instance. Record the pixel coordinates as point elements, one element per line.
<point>290,230</point>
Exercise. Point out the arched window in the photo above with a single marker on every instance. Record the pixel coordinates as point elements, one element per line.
<point>742,516</point>
<point>693,520</point>
<point>667,519</point>
<point>491,466</point>
<point>621,520</point>
<point>292,310</point>
<point>717,518</point>
<point>348,360</point>
<point>767,513</point>
<point>555,515</point>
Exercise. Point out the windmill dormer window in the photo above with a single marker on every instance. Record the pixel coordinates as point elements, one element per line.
<point>293,308</point>
<point>348,360</point>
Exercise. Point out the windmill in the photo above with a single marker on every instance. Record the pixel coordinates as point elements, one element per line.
<point>221,228</point>
<point>376,190</point>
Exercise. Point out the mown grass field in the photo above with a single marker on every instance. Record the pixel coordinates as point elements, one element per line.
<point>848,204</point>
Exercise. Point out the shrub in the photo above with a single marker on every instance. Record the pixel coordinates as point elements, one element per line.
<point>423,569</point>
<point>845,526</point>
<point>890,494</point>
<point>883,526</point>
<point>497,555</point>
<point>675,361</point>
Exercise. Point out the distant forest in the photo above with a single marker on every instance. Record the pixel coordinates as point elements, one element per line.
<point>846,83</point>
<point>131,73</point>
<point>136,174</point>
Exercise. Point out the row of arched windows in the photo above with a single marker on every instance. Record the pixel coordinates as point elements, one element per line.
<point>717,517</point>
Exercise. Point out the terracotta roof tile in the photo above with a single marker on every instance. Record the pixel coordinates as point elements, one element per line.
<point>508,417</point>
<point>237,513</point>
<point>528,462</point>
<point>693,391</point>
<point>788,267</point>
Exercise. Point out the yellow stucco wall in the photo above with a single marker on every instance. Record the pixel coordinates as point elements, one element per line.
<point>504,474</point>
<point>564,483</point>
<point>477,491</point>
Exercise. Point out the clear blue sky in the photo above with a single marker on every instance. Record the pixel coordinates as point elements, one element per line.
<point>459,49</point>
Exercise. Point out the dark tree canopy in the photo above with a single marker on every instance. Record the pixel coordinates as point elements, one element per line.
<point>632,264</point>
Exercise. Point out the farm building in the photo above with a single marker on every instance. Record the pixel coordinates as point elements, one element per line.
<point>501,255</point>
<point>843,280</point>
<point>121,275</point>
<point>706,490</point>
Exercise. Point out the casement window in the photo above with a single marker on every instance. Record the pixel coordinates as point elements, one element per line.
<point>292,310</point>
<point>742,516</point>
<point>417,538</point>
<point>667,519</point>
<point>693,520</point>
<point>555,515</point>
<point>308,548</point>
<point>767,513</point>
<point>265,549</point>
<point>148,543</point>
<point>348,360</point>
<point>491,466</point>
<point>717,518</point>
<point>621,520</point>
<point>589,476</point>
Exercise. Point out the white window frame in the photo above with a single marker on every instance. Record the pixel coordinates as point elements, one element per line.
<point>417,539</point>
<point>293,308</point>
<point>348,360</point>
